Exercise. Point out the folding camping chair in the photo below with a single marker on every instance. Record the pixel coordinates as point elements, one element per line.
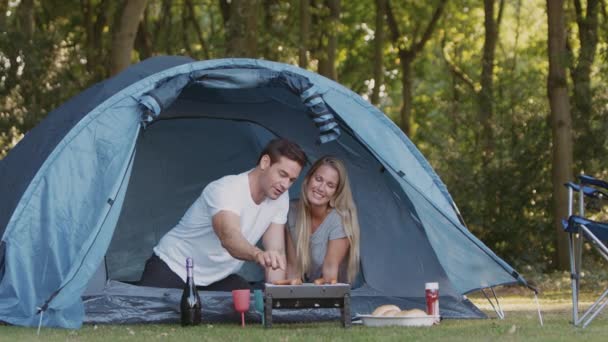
<point>580,229</point>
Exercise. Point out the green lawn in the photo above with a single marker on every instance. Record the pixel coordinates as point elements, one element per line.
<point>521,324</point>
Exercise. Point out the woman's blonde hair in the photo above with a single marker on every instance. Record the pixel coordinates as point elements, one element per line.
<point>342,201</point>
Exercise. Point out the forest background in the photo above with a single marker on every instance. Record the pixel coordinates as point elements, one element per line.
<point>505,98</point>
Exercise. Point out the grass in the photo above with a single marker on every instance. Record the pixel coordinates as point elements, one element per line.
<point>521,324</point>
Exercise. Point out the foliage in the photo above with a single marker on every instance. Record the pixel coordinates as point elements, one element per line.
<point>67,49</point>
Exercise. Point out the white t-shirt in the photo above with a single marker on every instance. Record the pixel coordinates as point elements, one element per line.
<point>194,236</point>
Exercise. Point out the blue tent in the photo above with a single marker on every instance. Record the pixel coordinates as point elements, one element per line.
<point>89,191</point>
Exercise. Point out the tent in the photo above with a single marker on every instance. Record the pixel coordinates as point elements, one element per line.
<point>90,190</point>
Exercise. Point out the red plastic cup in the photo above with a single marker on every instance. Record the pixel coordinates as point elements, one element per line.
<point>241,299</point>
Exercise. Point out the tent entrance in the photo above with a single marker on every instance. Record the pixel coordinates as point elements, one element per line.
<point>208,133</point>
<point>175,160</point>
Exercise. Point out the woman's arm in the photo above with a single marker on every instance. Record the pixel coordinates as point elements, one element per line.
<point>336,252</point>
<point>291,257</point>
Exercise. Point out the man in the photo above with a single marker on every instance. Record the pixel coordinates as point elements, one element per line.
<point>220,229</point>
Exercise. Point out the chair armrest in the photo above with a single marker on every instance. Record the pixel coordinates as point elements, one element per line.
<point>587,190</point>
<point>586,179</point>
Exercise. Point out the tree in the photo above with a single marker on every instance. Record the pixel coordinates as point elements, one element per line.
<point>26,18</point>
<point>484,92</point>
<point>143,40</point>
<point>52,50</point>
<point>124,34</point>
<point>241,27</point>
<point>327,57</point>
<point>407,55</point>
<point>379,50</point>
<point>587,23</point>
<point>95,20</point>
<point>304,33</point>
<point>561,123</point>
<point>3,7</point>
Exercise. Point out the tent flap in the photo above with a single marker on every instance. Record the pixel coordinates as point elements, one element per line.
<point>55,239</point>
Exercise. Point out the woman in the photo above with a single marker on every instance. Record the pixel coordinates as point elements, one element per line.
<point>323,239</point>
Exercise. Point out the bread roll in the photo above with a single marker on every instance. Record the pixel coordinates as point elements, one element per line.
<point>411,313</point>
<point>322,281</point>
<point>390,313</point>
<point>384,308</point>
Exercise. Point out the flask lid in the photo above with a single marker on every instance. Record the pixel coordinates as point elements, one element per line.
<point>431,286</point>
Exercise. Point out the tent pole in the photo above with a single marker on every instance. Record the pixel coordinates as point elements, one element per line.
<point>497,308</point>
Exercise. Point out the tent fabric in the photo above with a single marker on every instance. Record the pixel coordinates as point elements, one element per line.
<point>98,182</point>
<point>125,303</point>
<point>29,154</point>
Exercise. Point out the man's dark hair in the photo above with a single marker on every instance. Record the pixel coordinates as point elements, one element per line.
<point>281,147</point>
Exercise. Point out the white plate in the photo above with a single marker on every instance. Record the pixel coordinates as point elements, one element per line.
<point>411,321</point>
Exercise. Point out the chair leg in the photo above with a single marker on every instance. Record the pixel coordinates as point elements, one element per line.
<point>594,309</point>
<point>573,277</point>
<point>599,303</point>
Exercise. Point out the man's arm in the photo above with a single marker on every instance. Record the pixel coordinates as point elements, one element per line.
<point>274,241</point>
<point>226,226</point>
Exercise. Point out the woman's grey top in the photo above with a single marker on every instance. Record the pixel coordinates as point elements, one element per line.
<point>330,229</point>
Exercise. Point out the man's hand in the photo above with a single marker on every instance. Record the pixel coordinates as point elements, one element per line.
<point>270,259</point>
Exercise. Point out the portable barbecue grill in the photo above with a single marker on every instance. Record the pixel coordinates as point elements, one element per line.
<point>307,296</point>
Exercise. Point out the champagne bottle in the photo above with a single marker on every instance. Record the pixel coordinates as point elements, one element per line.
<point>190,305</point>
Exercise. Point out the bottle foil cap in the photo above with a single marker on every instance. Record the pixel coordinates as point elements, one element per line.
<point>431,286</point>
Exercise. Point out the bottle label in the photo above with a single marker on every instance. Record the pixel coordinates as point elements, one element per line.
<point>432,303</point>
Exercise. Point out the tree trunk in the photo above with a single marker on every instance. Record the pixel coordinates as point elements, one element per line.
<point>164,23</point>
<point>241,29</point>
<point>3,8</point>
<point>87,13</point>
<point>561,124</point>
<point>332,39</point>
<point>491,205</point>
<point>26,18</point>
<point>407,55</point>
<point>304,33</point>
<point>327,59</point>
<point>124,35</point>
<point>486,93</point>
<point>143,42</point>
<point>269,46</point>
<point>379,51</point>
<point>26,23</point>
<point>185,31</point>
<point>197,28</point>
<point>95,19</point>
<point>225,10</point>
<point>405,121</point>
<point>581,74</point>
